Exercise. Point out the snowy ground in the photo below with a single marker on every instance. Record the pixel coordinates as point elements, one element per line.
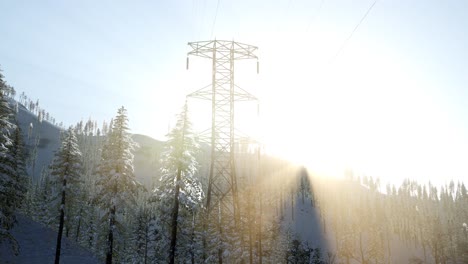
<point>306,223</point>
<point>37,245</point>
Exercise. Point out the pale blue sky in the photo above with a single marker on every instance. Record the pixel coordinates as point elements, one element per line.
<point>391,104</point>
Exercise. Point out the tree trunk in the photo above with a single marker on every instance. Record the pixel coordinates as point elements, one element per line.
<point>79,225</point>
<point>175,215</point>
<point>62,220</point>
<point>251,220</point>
<point>260,249</point>
<point>110,239</point>
<point>67,229</point>
<point>363,260</point>
<point>145,257</point>
<point>389,248</point>
<point>220,230</point>
<point>292,204</point>
<point>205,230</point>
<point>281,204</point>
<point>192,240</point>
<point>424,250</point>
<point>91,234</point>
<point>250,245</point>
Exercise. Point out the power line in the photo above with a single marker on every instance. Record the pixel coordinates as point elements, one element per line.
<point>214,20</point>
<point>194,18</point>
<point>198,17</point>
<point>319,9</point>
<point>352,32</point>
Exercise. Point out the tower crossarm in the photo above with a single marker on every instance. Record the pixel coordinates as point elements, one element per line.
<point>242,95</point>
<point>205,49</point>
<point>204,93</point>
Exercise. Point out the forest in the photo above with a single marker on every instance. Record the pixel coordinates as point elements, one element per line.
<point>90,194</point>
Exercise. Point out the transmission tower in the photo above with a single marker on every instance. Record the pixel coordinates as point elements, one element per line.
<point>222,201</point>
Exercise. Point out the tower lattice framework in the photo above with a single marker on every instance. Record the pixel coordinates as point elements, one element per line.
<point>222,201</point>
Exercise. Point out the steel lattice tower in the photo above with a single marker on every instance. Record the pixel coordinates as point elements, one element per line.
<point>222,192</point>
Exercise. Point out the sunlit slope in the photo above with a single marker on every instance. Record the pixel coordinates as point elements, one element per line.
<point>357,223</point>
<point>147,159</point>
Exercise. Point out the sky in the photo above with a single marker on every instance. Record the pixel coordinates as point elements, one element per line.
<point>384,97</point>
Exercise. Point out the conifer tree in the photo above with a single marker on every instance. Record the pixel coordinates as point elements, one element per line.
<point>17,189</point>
<point>117,185</point>
<point>8,182</point>
<point>179,189</point>
<point>44,200</point>
<point>139,237</point>
<point>66,172</point>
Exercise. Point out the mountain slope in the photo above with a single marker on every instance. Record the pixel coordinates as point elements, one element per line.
<point>42,139</point>
<point>146,160</point>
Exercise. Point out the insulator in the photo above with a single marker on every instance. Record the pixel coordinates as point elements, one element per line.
<point>258,67</point>
<point>187,66</point>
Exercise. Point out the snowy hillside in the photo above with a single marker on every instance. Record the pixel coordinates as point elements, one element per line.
<point>324,226</point>
<point>37,246</point>
<point>43,139</point>
<point>146,161</point>
<point>292,213</point>
<point>304,222</point>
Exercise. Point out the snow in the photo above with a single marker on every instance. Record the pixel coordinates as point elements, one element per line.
<point>306,224</point>
<point>37,245</point>
<point>44,135</point>
<point>48,136</point>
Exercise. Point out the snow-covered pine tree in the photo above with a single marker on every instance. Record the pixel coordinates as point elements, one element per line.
<point>7,172</point>
<point>42,198</point>
<point>155,239</point>
<point>117,186</point>
<point>179,192</point>
<point>137,252</point>
<point>85,222</point>
<point>66,172</point>
<point>18,164</point>
<point>90,147</point>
